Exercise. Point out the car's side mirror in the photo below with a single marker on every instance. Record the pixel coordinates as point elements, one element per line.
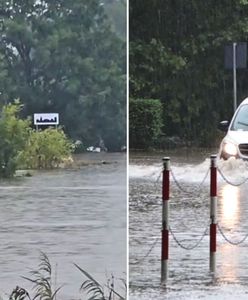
<point>223,125</point>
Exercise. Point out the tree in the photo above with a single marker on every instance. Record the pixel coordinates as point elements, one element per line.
<point>62,56</point>
<point>116,11</point>
<point>177,56</point>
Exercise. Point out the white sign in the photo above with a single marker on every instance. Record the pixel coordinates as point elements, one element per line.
<point>46,119</point>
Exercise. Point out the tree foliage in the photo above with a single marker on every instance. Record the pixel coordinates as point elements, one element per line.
<point>62,56</point>
<point>116,11</point>
<point>177,55</point>
<point>145,122</point>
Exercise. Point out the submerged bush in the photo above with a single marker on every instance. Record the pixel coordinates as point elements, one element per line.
<point>45,149</point>
<point>22,147</point>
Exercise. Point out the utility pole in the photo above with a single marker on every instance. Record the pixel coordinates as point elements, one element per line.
<point>234,77</point>
<point>235,58</point>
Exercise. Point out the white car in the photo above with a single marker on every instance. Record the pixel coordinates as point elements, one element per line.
<point>235,143</point>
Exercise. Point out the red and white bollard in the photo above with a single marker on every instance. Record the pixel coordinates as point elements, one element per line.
<point>165,220</point>
<point>213,212</point>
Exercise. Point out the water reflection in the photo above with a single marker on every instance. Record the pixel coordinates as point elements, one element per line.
<point>228,266</point>
<point>230,212</point>
<point>229,217</point>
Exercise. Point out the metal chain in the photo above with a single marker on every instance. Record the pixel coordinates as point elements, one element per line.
<point>148,252</point>
<point>198,218</point>
<point>158,238</point>
<point>228,181</point>
<point>228,240</point>
<point>191,193</point>
<point>157,180</point>
<point>188,247</point>
<point>155,185</point>
<point>186,191</point>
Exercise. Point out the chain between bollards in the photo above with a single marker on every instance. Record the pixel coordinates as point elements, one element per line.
<point>165,217</point>
<point>165,220</point>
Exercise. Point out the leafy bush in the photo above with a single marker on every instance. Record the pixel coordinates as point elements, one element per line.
<point>45,149</point>
<point>14,133</point>
<point>145,125</point>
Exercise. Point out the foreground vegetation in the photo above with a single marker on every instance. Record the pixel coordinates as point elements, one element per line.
<point>44,285</point>
<point>177,56</point>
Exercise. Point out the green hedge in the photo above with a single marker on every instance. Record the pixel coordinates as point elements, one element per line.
<point>145,122</point>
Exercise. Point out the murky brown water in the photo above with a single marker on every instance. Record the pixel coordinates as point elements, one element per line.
<point>74,216</point>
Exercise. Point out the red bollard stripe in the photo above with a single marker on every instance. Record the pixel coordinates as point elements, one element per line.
<point>165,244</point>
<point>166,185</point>
<point>213,186</point>
<point>213,237</point>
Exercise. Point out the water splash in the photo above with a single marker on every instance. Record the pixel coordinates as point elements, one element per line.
<point>144,171</point>
<point>234,169</point>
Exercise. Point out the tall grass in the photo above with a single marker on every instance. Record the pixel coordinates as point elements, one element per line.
<point>44,285</point>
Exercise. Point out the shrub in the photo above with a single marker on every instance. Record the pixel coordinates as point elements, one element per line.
<point>14,133</point>
<point>145,123</point>
<point>45,149</point>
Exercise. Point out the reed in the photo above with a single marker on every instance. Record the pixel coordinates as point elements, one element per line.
<point>44,285</point>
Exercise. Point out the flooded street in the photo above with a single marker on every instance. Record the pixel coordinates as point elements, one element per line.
<point>74,216</point>
<point>189,276</point>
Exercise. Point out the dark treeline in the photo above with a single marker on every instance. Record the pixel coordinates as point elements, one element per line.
<point>69,57</point>
<point>177,56</point>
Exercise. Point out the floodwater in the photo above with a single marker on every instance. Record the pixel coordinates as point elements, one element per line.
<point>74,216</point>
<point>189,276</point>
